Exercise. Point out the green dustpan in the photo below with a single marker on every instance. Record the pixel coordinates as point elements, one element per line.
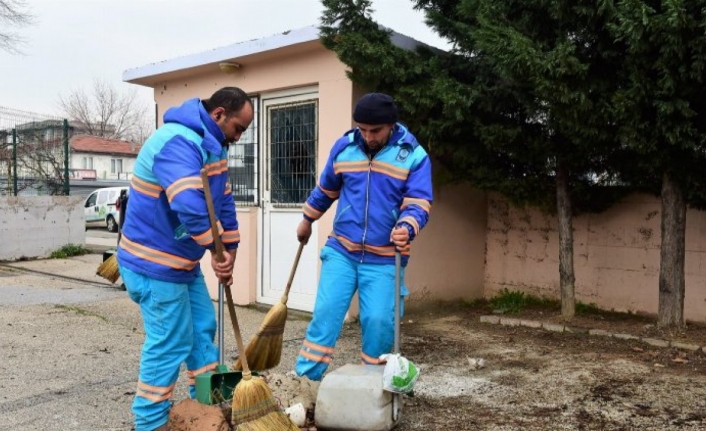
<point>218,386</point>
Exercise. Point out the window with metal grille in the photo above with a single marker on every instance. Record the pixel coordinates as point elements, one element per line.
<point>243,164</point>
<point>293,135</point>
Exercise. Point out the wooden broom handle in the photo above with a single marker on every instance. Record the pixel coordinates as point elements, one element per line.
<point>219,256</point>
<point>285,297</point>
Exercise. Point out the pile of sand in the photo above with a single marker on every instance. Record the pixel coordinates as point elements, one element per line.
<point>190,415</point>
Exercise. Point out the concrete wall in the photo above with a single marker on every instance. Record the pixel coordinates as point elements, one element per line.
<point>616,255</point>
<point>448,257</point>
<point>35,226</point>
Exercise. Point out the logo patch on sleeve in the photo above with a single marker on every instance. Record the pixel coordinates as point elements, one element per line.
<point>402,155</point>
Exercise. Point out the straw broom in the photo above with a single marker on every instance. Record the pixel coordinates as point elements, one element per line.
<point>264,350</point>
<point>254,406</point>
<point>109,269</point>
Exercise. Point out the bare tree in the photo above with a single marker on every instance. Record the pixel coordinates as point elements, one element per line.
<point>13,14</point>
<point>40,159</point>
<point>108,113</point>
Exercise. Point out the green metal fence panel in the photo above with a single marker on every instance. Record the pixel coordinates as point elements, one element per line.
<point>34,154</point>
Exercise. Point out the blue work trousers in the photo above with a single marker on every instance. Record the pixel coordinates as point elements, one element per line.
<point>180,324</point>
<point>340,277</point>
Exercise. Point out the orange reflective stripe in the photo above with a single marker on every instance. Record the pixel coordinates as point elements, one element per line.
<point>333,194</point>
<point>315,358</point>
<point>370,360</point>
<point>152,397</point>
<point>155,393</point>
<point>146,187</point>
<point>341,167</point>
<point>391,170</point>
<point>216,168</point>
<point>422,203</point>
<point>319,348</point>
<point>412,221</point>
<point>183,184</point>
<point>388,250</point>
<point>348,244</point>
<point>194,373</point>
<point>206,238</point>
<point>162,390</point>
<point>230,236</point>
<point>312,212</point>
<point>157,256</point>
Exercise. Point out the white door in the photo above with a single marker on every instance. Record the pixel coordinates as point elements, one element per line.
<point>290,141</point>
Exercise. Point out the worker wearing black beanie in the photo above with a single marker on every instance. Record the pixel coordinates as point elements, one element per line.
<point>381,177</point>
<point>375,108</point>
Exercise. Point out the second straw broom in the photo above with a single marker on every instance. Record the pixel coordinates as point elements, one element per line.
<point>264,350</point>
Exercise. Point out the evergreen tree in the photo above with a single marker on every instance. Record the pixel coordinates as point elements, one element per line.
<point>660,107</point>
<point>520,105</point>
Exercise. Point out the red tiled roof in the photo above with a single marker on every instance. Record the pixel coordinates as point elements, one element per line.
<point>95,144</point>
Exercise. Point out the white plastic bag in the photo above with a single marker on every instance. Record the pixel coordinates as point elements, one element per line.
<point>399,375</point>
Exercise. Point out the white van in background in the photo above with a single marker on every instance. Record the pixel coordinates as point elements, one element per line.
<point>99,208</point>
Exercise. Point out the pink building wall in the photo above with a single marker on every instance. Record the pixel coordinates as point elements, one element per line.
<point>473,246</point>
<point>616,255</point>
<point>447,262</point>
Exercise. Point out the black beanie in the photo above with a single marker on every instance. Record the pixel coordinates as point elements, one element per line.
<point>375,108</point>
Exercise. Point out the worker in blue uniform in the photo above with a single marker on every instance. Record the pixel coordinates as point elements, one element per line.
<point>167,232</point>
<point>381,177</point>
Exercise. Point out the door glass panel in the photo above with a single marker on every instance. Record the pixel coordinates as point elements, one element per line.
<point>292,138</point>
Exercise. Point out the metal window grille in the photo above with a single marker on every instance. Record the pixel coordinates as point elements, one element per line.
<point>243,164</point>
<point>293,137</point>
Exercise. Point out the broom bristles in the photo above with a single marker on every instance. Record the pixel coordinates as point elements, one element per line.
<point>264,350</point>
<point>109,269</point>
<point>255,408</point>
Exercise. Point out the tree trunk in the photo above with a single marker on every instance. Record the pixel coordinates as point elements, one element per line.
<point>566,243</point>
<point>672,252</point>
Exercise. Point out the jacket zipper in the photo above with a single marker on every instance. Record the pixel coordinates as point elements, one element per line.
<point>367,202</point>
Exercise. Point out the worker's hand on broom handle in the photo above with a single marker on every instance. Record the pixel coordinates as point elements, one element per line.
<point>304,231</point>
<point>219,255</point>
<point>224,269</point>
<point>400,236</point>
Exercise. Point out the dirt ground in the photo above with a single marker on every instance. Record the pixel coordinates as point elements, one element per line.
<point>533,379</point>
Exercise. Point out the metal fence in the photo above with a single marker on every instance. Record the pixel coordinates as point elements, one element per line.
<point>34,154</point>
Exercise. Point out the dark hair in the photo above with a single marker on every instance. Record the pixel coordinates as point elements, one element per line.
<point>232,99</point>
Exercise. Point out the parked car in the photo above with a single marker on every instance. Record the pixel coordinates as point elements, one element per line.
<point>100,208</point>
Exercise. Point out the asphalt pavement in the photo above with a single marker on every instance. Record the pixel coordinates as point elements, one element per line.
<point>70,345</point>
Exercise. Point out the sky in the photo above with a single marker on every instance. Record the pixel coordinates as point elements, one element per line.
<point>74,42</point>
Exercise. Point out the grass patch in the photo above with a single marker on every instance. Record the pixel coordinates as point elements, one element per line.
<point>70,250</point>
<point>473,303</point>
<point>583,308</point>
<point>81,311</point>
<point>514,301</point>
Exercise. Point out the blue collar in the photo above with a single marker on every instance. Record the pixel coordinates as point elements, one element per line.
<point>213,139</point>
